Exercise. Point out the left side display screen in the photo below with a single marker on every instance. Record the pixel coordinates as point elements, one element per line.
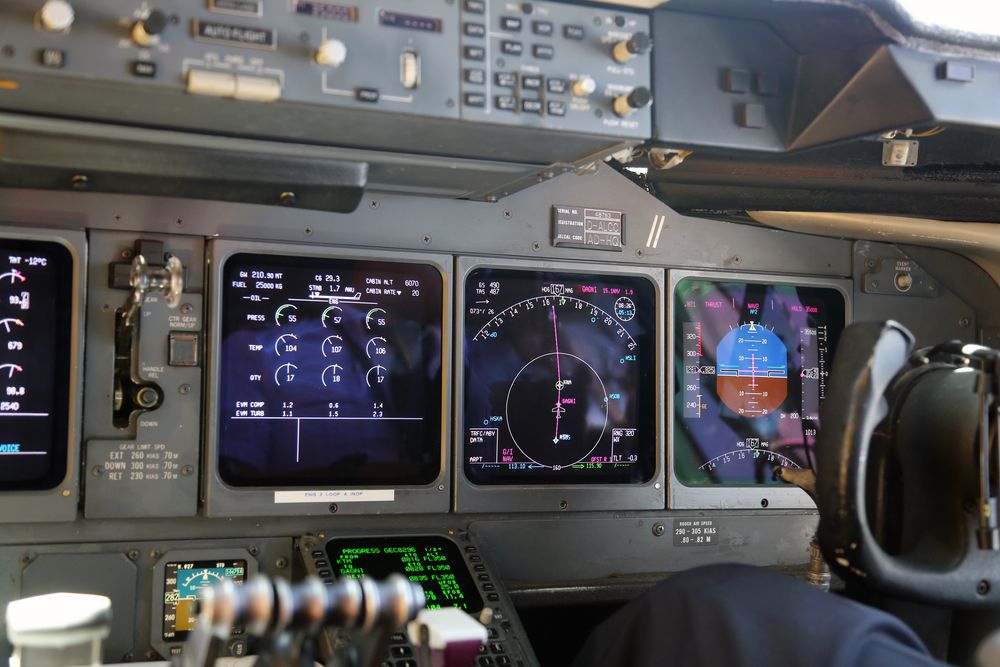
<point>36,338</point>
<point>330,372</point>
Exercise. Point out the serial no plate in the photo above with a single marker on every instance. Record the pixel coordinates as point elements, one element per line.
<point>590,228</point>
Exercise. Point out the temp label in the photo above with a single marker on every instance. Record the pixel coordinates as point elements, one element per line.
<point>695,533</point>
<point>335,496</point>
<point>591,228</point>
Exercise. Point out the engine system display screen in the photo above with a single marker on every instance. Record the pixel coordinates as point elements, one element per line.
<point>182,586</point>
<point>36,338</point>
<point>431,561</point>
<point>751,363</point>
<point>330,372</point>
<point>559,378</point>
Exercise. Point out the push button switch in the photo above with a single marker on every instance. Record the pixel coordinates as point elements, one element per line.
<point>183,348</point>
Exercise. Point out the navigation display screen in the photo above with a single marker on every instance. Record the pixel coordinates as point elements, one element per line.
<point>559,378</point>
<point>36,338</point>
<point>182,586</point>
<point>751,363</point>
<point>431,561</point>
<point>330,372</point>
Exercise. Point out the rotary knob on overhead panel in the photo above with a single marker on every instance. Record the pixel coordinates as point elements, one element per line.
<point>331,53</point>
<point>627,49</point>
<point>146,32</point>
<point>583,87</point>
<point>56,15</point>
<point>639,98</point>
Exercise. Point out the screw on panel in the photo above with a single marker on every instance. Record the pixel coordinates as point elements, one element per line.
<point>27,557</point>
<point>252,549</point>
<point>187,471</point>
<point>563,504</point>
<point>187,308</point>
<point>180,222</point>
<point>874,284</point>
<point>536,246</point>
<point>440,487</point>
<point>964,322</point>
<point>97,471</point>
<point>126,253</point>
<point>983,587</point>
<point>281,563</point>
<point>449,103</point>
<point>508,214</point>
<point>870,263</point>
<point>426,240</point>
<point>764,503</point>
<point>79,182</point>
<point>659,529</point>
<point>184,389</point>
<point>639,252</point>
<point>737,260</point>
<point>133,554</point>
<point>153,555</point>
<point>373,204</point>
<point>287,199</point>
<point>308,231</point>
<point>333,508</point>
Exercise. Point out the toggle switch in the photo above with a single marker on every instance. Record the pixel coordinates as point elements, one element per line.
<point>409,69</point>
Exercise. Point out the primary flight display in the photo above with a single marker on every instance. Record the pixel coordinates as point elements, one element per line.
<point>751,362</point>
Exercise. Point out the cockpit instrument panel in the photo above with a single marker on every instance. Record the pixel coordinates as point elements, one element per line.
<point>36,342</point>
<point>751,362</point>
<point>559,381</point>
<point>329,373</point>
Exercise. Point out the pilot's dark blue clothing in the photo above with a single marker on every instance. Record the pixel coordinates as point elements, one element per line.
<point>736,616</point>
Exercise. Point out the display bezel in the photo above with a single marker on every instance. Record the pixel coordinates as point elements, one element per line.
<point>471,497</point>
<point>222,499</point>
<point>682,496</point>
<point>58,502</point>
